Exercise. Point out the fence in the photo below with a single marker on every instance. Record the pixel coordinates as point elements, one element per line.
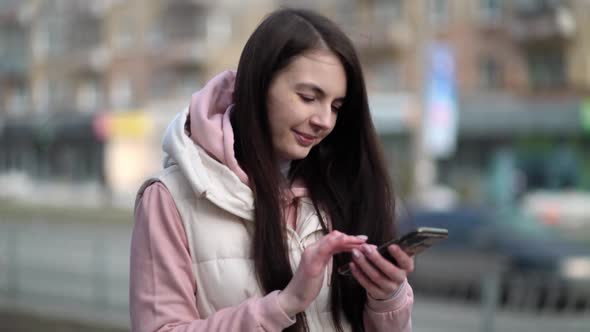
<point>65,271</point>
<point>80,272</point>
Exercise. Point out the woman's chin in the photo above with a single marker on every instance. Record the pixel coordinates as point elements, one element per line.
<point>296,153</point>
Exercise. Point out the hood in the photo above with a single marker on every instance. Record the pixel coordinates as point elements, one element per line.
<point>208,178</point>
<point>211,129</point>
<point>207,158</point>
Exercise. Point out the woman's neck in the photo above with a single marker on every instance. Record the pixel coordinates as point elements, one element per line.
<point>284,166</point>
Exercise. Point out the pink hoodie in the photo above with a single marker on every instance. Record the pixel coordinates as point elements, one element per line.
<point>163,290</point>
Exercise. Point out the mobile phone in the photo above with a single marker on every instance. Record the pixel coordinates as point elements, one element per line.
<point>411,243</point>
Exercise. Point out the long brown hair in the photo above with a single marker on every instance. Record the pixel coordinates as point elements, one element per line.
<point>345,174</point>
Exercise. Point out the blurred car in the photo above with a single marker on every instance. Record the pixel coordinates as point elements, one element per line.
<point>533,265</point>
<point>564,209</point>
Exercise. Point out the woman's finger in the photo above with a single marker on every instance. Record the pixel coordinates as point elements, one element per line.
<point>316,257</point>
<point>390,270</point>
<point>404,261</point>
<point>377,277</point>
<point>364,281</point>
<point>337,242</point>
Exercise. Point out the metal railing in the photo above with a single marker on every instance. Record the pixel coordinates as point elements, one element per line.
<point>82,279</point>
<point>80,272</point>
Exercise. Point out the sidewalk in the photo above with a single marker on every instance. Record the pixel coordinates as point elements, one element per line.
<point>28,322</point>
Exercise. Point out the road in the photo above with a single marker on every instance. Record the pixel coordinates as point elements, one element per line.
<point>80,272</point>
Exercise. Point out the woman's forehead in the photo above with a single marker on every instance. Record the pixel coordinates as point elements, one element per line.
<point>320,68</point>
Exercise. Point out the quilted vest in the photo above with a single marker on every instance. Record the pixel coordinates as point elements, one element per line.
<point>220,242</point>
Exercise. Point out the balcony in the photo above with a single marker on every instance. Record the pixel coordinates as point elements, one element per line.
<point>178,46</point>
<point>180,34</point>
<point>544,24</point>
<point>94,59</point>
<point>384,35</point>
<point>85,49</point>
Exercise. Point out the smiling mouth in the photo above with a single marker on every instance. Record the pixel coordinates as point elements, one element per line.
<point>304,139</point>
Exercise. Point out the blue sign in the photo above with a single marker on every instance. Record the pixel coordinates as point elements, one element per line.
<point>440,107</point>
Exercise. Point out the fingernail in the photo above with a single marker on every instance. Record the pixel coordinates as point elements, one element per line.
<point>356,253</point>
<point>362,237</point>
<point>367,248</point>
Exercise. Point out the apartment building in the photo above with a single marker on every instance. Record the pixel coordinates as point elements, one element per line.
<point>88,87</point>
<point>119,69</point>
<point>522,72</point>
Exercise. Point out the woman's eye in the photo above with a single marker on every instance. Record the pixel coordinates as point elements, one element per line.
<point>307,99</point>
<point>336,108</point>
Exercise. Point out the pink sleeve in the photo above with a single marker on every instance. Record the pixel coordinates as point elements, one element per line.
<point>163,292</point>
<point>394,314</point>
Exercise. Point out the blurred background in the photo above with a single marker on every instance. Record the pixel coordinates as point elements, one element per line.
<point>482,106</point>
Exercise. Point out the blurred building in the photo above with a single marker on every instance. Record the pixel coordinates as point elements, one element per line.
<point>86,87</point>
<point>524,79</point>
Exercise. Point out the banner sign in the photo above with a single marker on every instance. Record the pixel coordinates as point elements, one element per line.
<point>440,108</point>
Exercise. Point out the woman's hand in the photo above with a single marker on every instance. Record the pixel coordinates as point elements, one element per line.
<point>377,275</point>
<point>309,276</point>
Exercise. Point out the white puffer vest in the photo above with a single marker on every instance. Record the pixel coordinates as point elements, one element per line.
<point>217,213</point>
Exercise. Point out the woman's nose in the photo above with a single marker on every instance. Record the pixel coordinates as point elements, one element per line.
<point>323,117</point>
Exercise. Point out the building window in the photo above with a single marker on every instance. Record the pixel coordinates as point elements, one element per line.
<point>55,37</point>
<point>384,76</point>
<point>546,69</point>
<point>219,28</point>
<point>183,22</point>
<point>88,94</point>
<point>41,94</point>
<point>121,92</point>
<point>346,12</point>
<point>17,98</point>
<point>177,81</point>
<point>14,49</point>
<point>124,24</point>
<point>490,11</point>
<point>532,6</point>
<point>438,11</point>
<point>85,32</point>
<point>386,11</point>
<point>490,73</point>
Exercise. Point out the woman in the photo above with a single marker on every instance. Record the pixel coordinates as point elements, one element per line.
<point>272,179</point>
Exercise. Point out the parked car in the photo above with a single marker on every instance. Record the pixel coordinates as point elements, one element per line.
<point>533,265</point>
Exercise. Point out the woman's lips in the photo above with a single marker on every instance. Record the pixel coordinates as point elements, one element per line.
<point>304,139</point>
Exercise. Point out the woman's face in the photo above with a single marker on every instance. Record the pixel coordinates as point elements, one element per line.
<point>303,102</point>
